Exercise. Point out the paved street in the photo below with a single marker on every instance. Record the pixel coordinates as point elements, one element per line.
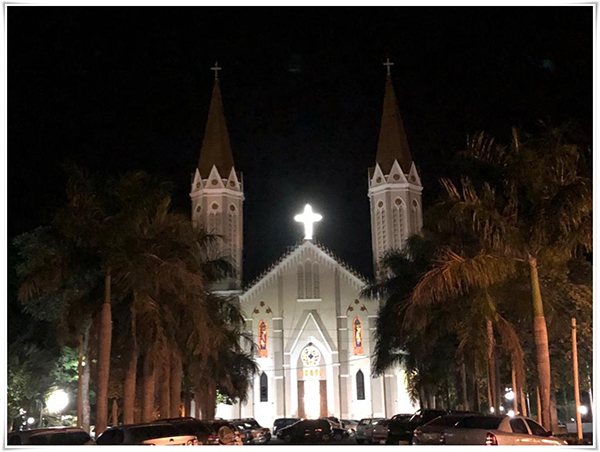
<point>345,442</point>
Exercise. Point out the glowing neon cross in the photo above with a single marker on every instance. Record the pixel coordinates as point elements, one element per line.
<point>308,218</point>
<point>389,65</point>
<point>216,68</point>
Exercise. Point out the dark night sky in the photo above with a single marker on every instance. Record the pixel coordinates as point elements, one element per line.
<point>117,89</point>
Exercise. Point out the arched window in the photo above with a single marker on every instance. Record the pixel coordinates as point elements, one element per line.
<point>399,223</point>
<point>301,292</point>
<point>415,217</point>
<point>357,339</point>
<point>316,281</point>
<point>214,219</point>
<point>262,339</point>
<point>360,385</point>
<point>380,230</point>
<point>233,236</point>
<point>264,387</point>
<point>308,279</point>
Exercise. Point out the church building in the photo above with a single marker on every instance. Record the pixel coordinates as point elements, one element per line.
<point>314,332</point>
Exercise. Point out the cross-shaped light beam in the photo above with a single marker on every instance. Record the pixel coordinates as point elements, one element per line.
<point>308,218</point>
<point>389,64</point>
<point>216,68</point>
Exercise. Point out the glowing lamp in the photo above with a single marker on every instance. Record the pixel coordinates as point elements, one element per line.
<point>583,410</point>
<point>57,401</point>
<point>502,408</point>
<point>509,395</point>
<point>492,409</point>
<point>30,420</point>
<point>511,413</point>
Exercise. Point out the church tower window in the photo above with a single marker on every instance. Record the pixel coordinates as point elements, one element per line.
<point>360,385</point>
<point>214,219</point>
<point>381,230</point>
<point>399,221</point>
<point>264,387</point>
<point>415,217</point>
<point>357,340</point>
<point>262,339</point>
<point>233,236</point>
<point>308,280</point>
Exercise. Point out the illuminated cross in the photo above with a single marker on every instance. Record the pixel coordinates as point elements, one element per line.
<point>388,64</point>
<point>216,68</point>
<point>308,218</point>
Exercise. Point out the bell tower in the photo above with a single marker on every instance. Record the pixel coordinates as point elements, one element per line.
<point>394,183</point>
<point>217,190</point>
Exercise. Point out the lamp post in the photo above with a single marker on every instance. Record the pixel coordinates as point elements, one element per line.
<point>576,378</point>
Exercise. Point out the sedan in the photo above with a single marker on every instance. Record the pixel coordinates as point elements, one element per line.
<point>499,431</point>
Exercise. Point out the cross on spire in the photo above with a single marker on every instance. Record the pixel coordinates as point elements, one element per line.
<point>308,218</point>
<point>388,64</point>
<point>216,68</point>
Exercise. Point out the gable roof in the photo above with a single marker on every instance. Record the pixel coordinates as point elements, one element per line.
<point>291,254</point>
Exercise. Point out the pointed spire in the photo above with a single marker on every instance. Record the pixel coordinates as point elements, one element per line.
<point>216,149</point>
<point>392,144</point>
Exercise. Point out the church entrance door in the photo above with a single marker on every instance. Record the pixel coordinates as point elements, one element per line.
<point>312,398</point>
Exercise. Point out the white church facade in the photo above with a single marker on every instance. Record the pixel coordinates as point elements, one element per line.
<point>314,332</point>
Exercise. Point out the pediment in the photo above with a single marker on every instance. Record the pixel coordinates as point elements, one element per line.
<point>289,261</point>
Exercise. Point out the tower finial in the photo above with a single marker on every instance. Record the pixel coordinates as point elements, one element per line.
<point>388,64</point>
<point>216,68</point>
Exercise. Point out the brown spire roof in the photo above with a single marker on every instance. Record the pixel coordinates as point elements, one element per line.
<point>392,144</point>
<point>216,149</point>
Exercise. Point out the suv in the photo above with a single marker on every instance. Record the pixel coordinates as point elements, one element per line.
<point>52,436</point>
<point>364,429</point>
<point>193,426</point>
<point>152,434</point>
<point>251,431</point>
<point>306,430</point>
<point>283,422</point>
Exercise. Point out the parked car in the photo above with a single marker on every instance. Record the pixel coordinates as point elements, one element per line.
<point>350,426</point>
<point>227,433</point>
<point>334,421</point>
<point>380,432</point>
<point>251,431</point>
<point>402,426</point>
<point>364,429</point>
<point>432,432</point>
<point>51,436</point>
<point>306,430</point>
<point>192,426</point>
<point>148,434</point>
<point>337,433</point>
<point>499,431</point>
<point>283,422</point>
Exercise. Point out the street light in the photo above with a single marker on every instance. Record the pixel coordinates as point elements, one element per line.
<point>509,395</point>
<point>583,410</point>
<point>57,401</point>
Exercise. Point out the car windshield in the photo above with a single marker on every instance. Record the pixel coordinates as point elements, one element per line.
<point>140,434</point>
<point>63,438</point>
<point>483,422</point>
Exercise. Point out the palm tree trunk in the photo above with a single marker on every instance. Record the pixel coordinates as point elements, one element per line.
<point>515,389</point>
<point>149,387</point>
<point>104,345</point>
<point>541,344</point>
<point>131,373</point>
<point>165,383</point>
<point>175,383</point>
<point>539,405</point>
<point>85,381</point>
<point>524,411</point>
<point>80,382</point>
<point>491,364</point>
<point>115,412</point>
<point>463,378</point>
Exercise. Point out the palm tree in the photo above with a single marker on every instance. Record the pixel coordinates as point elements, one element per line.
<point>535,211</point>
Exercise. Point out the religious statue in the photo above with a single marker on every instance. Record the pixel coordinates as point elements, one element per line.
<point>358,338</point>
<point>262,339</point>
